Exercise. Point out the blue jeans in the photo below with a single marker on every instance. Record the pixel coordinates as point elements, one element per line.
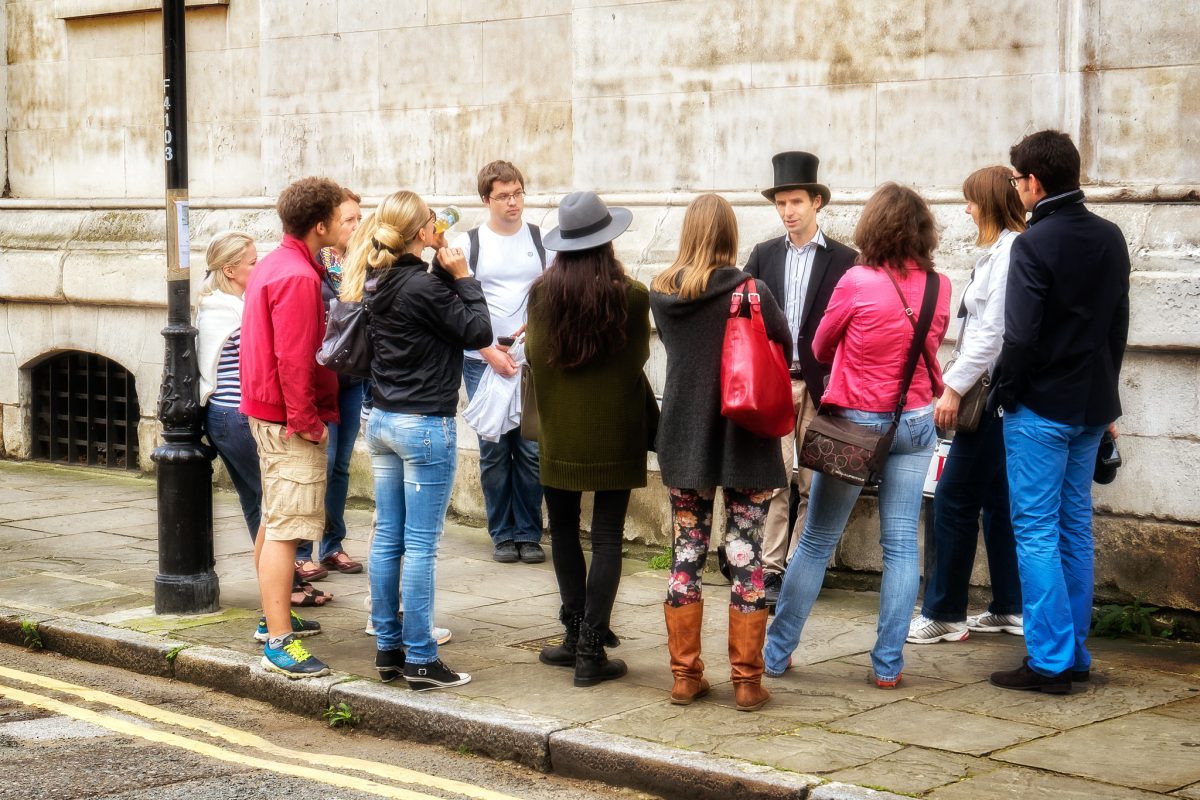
<point>973,478</point>
<point>829,505</point>
<point>342,435</point>
<point>413,459</point>
<point>229,432</point>
<point>508,473</point>
<point>1050,466</point>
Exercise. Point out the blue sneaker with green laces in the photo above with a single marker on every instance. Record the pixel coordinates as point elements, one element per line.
<point>292,660</point>
<point>300,628</point>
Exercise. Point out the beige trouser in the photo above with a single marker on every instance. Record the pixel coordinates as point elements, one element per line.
<point>778,541</point>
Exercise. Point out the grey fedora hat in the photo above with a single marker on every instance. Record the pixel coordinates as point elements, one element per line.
<point>584,221</point>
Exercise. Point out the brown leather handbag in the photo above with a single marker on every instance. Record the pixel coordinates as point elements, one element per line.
<point>970,407</point>
<point>843,449</point>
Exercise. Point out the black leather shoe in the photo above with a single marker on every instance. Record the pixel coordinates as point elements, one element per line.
<point>531,552</point>
<point>1025,679</point>
<point>772,583</point>
<point>1081,675</point>
<point>506,553</point>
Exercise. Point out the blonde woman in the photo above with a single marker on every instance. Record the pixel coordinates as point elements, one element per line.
<point>421,320</point>
<point>699,450</point>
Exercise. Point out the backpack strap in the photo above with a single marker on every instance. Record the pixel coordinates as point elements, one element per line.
<point>473,258</point>
<point>536,233</point>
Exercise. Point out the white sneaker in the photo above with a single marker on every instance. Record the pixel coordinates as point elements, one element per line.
<point>924,630</point>
<point>997,623</point>
<point>440,635</point>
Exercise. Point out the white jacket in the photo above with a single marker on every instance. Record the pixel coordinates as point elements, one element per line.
<point>217,317</point>
<point>982,333</point>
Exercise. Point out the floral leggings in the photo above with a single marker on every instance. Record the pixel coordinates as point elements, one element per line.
<point>745,513</point>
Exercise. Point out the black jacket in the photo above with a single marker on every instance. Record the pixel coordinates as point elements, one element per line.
<point>420,324</point>
<point>1066,316</point>
<point>768,261</point>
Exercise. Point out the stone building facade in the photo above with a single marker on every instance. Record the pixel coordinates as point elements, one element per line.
<point>647,102</point>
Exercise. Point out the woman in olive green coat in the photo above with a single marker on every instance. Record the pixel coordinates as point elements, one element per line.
<point>587,339</point>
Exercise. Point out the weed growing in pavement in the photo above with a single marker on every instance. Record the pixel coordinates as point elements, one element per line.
<point>1134,619</point>
<point>463,750</point>
<point>29,632</point>
<point>341,716</point>
<point>174,652</point>
<point>660,561</point>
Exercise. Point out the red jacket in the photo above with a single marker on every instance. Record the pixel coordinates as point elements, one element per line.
<point>866,335</point>
<point>283,324</point>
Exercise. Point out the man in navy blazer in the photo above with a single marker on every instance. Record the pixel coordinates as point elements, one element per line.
<point>1065,324</point>
<point>801,268</point>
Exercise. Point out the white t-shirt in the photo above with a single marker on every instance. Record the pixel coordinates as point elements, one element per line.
<point>507,266</point>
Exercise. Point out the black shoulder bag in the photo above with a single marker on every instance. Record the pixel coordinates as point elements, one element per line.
<point>843,449</point>
<point>346,348</point>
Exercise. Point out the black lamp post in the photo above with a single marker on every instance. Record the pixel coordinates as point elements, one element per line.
<point>186,582</point>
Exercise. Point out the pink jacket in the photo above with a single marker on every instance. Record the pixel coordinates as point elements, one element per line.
<point>866,335</point>
<point>283,324</point>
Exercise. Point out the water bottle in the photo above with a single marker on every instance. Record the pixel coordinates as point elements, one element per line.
<point>446,219</point>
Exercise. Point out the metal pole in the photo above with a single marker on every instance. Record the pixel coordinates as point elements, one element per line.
<point>186,582</point>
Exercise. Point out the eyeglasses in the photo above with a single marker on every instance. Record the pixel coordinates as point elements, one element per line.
<point>505,199</point>
<point>432,217</point>
<point>1013,180</point>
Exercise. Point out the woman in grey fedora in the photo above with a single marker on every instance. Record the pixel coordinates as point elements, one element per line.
<point>587,339</point>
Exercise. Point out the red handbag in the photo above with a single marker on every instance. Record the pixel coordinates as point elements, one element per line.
<point>756,391</point>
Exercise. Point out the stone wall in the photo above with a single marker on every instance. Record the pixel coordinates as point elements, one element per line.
<point>648,102</point>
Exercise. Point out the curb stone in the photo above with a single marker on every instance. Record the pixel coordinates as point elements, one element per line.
<point>648,766</point>
<point>453,721</point>
<point>545,744</point>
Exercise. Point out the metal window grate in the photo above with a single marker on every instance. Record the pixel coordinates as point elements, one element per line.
<point>85,412</point>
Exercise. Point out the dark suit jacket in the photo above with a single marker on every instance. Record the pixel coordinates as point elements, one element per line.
<point>768,262</point>
<point>1066,316</point>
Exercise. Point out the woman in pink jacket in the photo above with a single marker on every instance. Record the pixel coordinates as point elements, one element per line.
<point>866,334</point>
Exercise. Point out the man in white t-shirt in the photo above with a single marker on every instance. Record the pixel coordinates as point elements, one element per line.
<point>506,256</point>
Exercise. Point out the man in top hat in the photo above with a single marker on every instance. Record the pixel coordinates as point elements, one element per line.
<point>801,267</point>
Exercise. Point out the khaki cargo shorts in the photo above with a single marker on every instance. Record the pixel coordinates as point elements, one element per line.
<point>293,483</point>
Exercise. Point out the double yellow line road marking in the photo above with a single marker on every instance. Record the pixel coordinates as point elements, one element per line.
<point>237,738</point>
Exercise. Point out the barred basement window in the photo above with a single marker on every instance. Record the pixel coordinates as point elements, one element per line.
<point>85,412</point>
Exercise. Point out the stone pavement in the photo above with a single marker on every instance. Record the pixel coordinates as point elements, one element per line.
<point>83,544</point>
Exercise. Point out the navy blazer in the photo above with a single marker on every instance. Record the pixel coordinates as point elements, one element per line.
<point>768,262</point>
<point>1066,316</point>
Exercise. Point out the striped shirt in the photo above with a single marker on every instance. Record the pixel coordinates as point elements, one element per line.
<point>797,273</point>
<point>228,391</point>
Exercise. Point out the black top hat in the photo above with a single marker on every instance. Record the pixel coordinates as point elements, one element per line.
<point>797,170</point>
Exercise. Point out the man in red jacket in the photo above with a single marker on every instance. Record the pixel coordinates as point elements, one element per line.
<point>289,398</point>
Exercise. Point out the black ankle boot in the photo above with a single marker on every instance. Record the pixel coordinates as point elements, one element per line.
<point>592,664</point>
<point>563,655</point>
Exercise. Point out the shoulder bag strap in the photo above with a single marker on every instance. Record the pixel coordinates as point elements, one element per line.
<point>920,331</point>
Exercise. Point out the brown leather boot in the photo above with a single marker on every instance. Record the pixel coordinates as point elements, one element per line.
<point>683,640</point>
<point>747,632</point>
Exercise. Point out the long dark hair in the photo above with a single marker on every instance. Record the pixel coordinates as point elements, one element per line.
<point>583,298</point>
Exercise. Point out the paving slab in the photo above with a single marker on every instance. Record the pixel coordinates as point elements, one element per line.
<point>835,689</point>
<point>1028,784</point>
<point>915,770</point>
<point>1191,792</point>
<point>911,722</point>
<point>807,749</point>
<point>1119,751</point>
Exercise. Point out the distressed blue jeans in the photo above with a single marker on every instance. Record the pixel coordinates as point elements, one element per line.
<point>413,459</point>
<point>829,505</point>
<point>1050,467</point>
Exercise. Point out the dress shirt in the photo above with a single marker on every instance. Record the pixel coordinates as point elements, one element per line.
<point>798,271</point>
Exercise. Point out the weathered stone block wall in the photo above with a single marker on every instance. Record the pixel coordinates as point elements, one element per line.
<point>648,102</point>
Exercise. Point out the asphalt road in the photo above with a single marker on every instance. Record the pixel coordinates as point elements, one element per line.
<point>70,729</point>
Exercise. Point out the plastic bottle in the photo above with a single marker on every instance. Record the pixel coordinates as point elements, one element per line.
<point>446,219</point>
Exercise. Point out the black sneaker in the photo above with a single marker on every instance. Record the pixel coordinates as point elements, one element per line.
<point>772,583</point>
<point>434,675</point>
<point>390,664</point>
<point>531,552</point>
<point>506,553</point>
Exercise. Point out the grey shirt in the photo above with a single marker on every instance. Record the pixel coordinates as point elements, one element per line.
<point>697,447</point>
